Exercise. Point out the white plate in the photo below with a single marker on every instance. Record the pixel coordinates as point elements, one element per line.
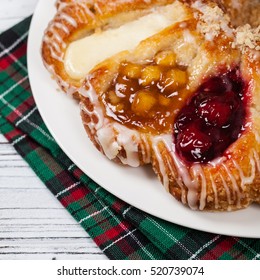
<point>139,187</point>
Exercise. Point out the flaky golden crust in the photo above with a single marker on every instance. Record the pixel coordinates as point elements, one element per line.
<point>134,150</point>
<point>77,19</point>
<point>232,182</point>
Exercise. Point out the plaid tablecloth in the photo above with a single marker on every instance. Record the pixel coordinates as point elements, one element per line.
<point>121,231</point>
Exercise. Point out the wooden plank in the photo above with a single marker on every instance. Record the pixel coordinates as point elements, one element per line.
<point>51,256</point>
<point>24,182</point>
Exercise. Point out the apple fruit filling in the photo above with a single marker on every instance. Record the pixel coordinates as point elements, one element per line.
<point>146,96</point>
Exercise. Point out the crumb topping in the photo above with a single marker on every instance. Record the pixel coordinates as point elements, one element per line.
<point>247,37</point>
<point>212,21</point>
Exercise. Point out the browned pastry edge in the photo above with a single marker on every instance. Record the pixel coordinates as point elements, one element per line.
<point>84,17</point>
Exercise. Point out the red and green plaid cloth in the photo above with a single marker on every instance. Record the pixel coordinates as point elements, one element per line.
<point>121,231</point>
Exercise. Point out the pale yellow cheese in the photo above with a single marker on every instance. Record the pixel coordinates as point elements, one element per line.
<point>82,55</point>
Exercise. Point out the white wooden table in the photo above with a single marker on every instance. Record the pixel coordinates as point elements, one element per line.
<point>27,227</point>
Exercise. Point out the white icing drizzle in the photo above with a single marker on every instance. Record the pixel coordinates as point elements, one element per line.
<point>114,137</point>
<point>52,36</point>
<point>146,153</point>
<point>53,47</point>
<point>70,90</point>
<point>226,189</point>
<point>199,173</point>
<point>58,38</point>
<point>98,8</point>
<point>111,41</point>
<point>129,140</point>
<point>246,180</point>
<point>169,165</point>
<point>64,22</point>
<point>61,26</point>
<point>68,18</point>
<point>214,187</point>
<point>257,159</point>
<point>162,167</point>
<point>89,92</point>
<point>62,4</point>
<point>218,161</point>
<point>194,178</point>
<point>236,191</point>
<point>183,192</point>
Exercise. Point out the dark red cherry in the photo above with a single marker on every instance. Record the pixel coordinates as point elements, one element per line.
<point>213,118</point>
<point>214,111</point>
<point>193,140</point>
<point>214,84</point>
<point>184,119</point>
<point>233,100</point>
<point>237,82</point>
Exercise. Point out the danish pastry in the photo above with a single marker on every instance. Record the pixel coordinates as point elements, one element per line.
<point>84,33</point>
<point>186,100</point>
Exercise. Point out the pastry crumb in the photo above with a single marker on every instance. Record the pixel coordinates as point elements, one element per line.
<point>212,21</point>
<point>247,37</point>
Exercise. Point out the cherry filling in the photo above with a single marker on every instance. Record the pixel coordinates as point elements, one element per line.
<point>212,120</point>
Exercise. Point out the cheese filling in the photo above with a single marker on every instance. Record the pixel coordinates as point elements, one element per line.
<point>82,55</point>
